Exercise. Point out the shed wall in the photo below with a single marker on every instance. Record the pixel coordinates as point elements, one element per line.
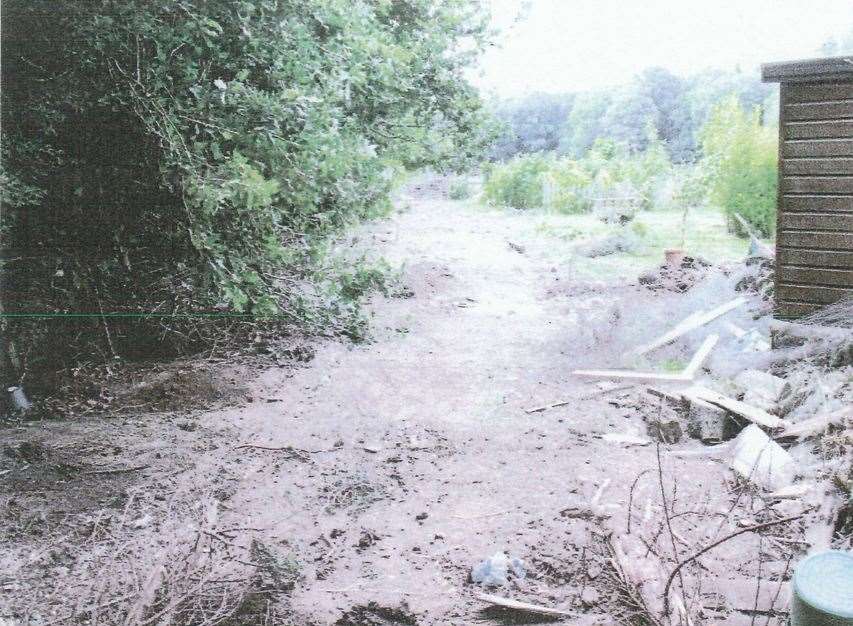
<point>814,257</point>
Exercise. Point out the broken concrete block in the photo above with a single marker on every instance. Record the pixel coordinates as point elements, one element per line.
<point>758,384</point>
<point>665,431</point>
<point>760,401</point>
<point>673,402</point>
<point>761,460</point>
<point>709,422</point>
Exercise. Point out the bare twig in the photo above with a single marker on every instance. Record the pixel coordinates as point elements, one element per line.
<point>758,582</point>
<point>778,590</point>
<point>668,519</point>
<point>713,545</point>
<point>118,470</point>
<point>554,405</point>
<point>631,496</point>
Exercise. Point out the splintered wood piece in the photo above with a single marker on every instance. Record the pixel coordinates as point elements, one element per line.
<point>753,414</point>
<point>690,323</point>
<point>700,356</point>
<point>522,606</point>
<point>816,425</point>
<point>632,375</point>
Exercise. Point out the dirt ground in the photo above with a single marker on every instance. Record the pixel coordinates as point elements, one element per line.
<point>361,487</point>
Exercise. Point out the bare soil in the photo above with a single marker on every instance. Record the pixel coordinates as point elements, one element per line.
<point>362,487</point>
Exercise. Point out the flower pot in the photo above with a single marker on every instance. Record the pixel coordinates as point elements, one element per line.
<point>674,256</point>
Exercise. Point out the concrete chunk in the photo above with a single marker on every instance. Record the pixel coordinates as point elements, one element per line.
<point>757,384</point>
<point>709,422</point>
<point>761,460</point>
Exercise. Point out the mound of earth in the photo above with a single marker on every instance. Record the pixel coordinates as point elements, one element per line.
<point>677,278</point>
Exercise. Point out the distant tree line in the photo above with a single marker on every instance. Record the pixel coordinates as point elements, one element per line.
<point>677,109</point>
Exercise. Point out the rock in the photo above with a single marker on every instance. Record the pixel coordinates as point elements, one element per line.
<point>593,571</point>
<point>665,431</point>
<point>761,460</point>
<point>626,439</point>
<point>141,522</point>
<point>590,597</point>
<point>495,571</point>
<point>761,386</point>
<point>788,508</point>
<point>19,401</point>
<point>709,422</point>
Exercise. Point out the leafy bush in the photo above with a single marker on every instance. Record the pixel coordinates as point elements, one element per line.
<point>567,187</point>
<point>616,169</point>
<point>195,150</point>
<point>741,157</point>
<point>459,189</point>
<point>517,183</point>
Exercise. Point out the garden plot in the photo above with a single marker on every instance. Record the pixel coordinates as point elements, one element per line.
<point>365,485</point>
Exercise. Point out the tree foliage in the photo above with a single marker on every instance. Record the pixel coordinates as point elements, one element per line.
<point>531,124</point>
<point>677,108</point>
<point>185,153</point>
<point>741,156</point>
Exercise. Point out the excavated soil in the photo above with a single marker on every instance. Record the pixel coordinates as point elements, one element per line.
<point>376,476</point>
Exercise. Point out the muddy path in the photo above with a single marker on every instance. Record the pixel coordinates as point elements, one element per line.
<point>380,474</point>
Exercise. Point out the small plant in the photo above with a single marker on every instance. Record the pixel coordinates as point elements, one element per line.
<point>459,189</point>
<point>568,187</point>
<point>518,183</point>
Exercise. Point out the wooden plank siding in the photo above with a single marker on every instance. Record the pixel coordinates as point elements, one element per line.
<point>814,239</point>
<point>815,221</point>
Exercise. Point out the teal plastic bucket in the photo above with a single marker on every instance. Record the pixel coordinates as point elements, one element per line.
<point>823,591</point>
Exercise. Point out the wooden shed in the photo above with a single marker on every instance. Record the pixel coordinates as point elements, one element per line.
<point>814,238</point>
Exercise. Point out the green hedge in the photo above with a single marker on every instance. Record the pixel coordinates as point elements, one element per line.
<point>185,155</point>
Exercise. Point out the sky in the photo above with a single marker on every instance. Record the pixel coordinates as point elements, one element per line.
<point>575,45</point>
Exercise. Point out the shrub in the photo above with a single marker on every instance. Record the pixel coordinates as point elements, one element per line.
<point>195,151</point>
<point>567,187</point>
<point>616,169</point>
<point>517,183</point>
<point>741,156</point>
<point>459,189</point>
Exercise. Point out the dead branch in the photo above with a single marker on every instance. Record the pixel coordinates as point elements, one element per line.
<point>713,545</point>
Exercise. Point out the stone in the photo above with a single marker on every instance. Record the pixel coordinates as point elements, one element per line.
<point>761,460</point>
<point>709,422</point>
<point>590,597</point>
<point>665,431</point>
<point>761,385</point>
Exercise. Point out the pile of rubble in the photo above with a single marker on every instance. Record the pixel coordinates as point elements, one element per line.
<point>679,277</point>
<point>773,404</point>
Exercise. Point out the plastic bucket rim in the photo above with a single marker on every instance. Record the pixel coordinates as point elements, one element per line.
<point>832,611</point>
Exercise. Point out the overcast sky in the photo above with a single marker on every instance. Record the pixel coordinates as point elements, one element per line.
<point>572,45</point>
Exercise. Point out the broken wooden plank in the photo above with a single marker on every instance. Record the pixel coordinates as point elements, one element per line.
<point>632,375</point>
<point>751,413</point>
<point>818,424</point>
<point>686,375</point>
<point>700,356</point>
<point>690,323</point>
<point>523,606</point>
<point>589,396</point>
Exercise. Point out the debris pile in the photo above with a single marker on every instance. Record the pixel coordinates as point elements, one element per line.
<point>677,278</point>
<point>758,277</point>
<point>623,241</point>
<point>776,422</point>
